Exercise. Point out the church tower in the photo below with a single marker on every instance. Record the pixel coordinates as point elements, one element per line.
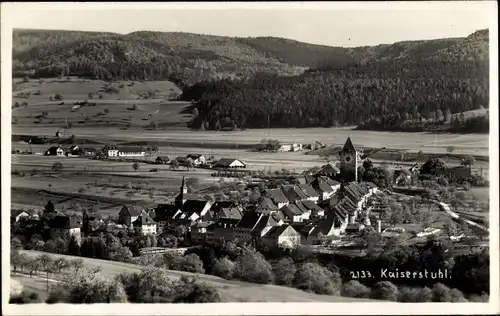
<point>181,197</point>
<point>349,158</point>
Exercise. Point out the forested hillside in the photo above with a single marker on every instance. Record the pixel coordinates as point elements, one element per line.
<point>411,89</point>
<point>190,58</point>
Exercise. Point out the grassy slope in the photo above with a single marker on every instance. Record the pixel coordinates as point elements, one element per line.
<point>231,291</point>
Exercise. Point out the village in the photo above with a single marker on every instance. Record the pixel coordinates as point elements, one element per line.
<point>327,209</point>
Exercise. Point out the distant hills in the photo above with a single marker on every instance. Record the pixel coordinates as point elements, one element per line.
<point>189,58</point>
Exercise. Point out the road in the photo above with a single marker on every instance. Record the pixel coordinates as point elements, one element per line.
<point>231,291</point>
<point>448,210</point>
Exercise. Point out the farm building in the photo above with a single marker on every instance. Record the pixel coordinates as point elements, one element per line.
<point>162,160</point>
<point>198,160</point>
<point>64,227</point>
<point>55,151</point>
<point>229,163</point>
<point>18,215</point>
<point>81,151</point>
<point>281,236</point>
<point>295,214</point>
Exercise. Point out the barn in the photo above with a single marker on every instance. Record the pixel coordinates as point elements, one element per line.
<point>229,163</point>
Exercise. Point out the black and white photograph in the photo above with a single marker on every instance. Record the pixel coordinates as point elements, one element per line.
<point>205,155</point>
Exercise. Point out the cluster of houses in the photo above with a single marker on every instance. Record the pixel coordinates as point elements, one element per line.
<point>321,207</point>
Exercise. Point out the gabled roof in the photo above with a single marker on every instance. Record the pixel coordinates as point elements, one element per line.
<point>16,213</point>
<point>194,206</point>
<point>277,231</point>
<point>266,204</point>
<point>321,185</point>
<point>330,222</point>
<point>265,221</point>
<point>64,222</point>
<point>225,162</point>
<point>194,156</point>
<point>181,159</point>
<point>328,169</point>
<point>249,220</point>
<point>162,158</point>
<point>348,146</point>
<point>276,195</point>
<point>144,219</point>
<point>308,190</point>
<point>301,206</point>
<point>230,213</point>
<point>278,216</point>
<point>311,205</point>
<point>291,208</point>
<point>133,210</point>
<point>219,205</point>
<point>293,193</point>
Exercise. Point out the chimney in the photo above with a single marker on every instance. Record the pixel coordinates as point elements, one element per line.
<point>379,226</point>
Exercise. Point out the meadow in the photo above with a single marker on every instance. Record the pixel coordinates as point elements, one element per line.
<point>231,290</point>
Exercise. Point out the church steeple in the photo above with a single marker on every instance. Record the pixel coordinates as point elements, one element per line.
<point>179,200</point>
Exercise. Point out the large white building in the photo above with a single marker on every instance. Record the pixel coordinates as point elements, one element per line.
<point>114,151</point>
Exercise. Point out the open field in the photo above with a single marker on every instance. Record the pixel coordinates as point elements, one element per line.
<point>231,291</point>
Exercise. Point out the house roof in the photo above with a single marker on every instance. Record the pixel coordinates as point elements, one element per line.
<point>291,208</point>
<point>311,205</point>
<point>16,213</point>
<point>181,159</point>
<point>203,224</point>
<point>328,169</point>
<point>266,204</point>
<point>276,195</point>
<point>308,190</point>
<point>64,222</point>
<point>331,221</point>
<point>225,162</point>
<point>293,193</point>
<point>219,205</point>
<point>277,231</point>
<point>194,206</point>
<point>309,178</point>
<point>194,156</point>
<point>348,146</point>
<point>249,220</point>
<point>144,219</point>
<point>163,158</point>
<point>133,210</point>
<point>130,149</point>
<point>264,221</point>
<point>230,213</point>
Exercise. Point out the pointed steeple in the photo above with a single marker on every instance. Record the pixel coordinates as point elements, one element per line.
<point>348,146</point>
<point>179,199</point>
<point>184,189</point>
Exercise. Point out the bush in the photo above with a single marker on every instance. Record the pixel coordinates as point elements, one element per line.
<point>58,97</point>
<point>87,287</point>
<point>25,298</point>
<point>223,268</point>
<point>191,290</point>
<point>253,267</point>
<point>414,295</point>
<point>355,289</point>
<point>385,290</point>
<point>284,271</point>
<point>315,278</point>
<point>153,285</point>
<point>192,263</point>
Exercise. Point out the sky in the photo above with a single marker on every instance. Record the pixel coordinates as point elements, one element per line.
<point>334,24</point>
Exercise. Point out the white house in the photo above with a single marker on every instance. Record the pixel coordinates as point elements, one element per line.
<point>114,151</point>
<point>145,224</point>
<point>290,147</point>
<point>17,215</point>
<point>198,160</point>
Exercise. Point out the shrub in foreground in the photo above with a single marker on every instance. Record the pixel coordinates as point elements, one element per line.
<point>385,290</point>
<point>315,278</point>
<point>24,298</point>
<point>223,268</point>
<point>251,266</point>
<point>355,289</point>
